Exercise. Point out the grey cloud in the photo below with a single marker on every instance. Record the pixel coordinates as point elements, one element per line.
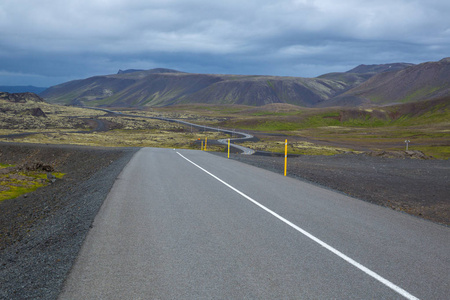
<point>72,38</point>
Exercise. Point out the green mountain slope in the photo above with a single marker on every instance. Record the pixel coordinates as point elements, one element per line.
<point>363,85</point>
<point>151,88</point>
<point>415,83</point>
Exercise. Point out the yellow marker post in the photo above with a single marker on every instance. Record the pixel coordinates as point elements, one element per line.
<point>206,141</point>
<point>228,148</point>
<point>285,157</point>
<point>202,146</point>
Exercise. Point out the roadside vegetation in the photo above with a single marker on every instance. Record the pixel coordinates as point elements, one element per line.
<point>311,131</point>
<point>23,117</point>
<point>18,181</point>
<point>329,131</point>
<point>129,138</point>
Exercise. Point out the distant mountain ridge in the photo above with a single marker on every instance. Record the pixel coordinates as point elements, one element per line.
<point>415,83</point>
<point>128,71</point>
<point>151,71</point>
<point>363,85</point>
<point>22,89</point>
<point>152,88</point>
<point>363,69</point>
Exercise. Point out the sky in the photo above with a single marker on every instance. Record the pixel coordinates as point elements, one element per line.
<point>48,42</point>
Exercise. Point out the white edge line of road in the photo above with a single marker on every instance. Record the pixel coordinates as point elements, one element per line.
<point>310,236</point>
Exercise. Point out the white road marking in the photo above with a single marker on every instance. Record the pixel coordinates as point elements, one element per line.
<point>310,236</point>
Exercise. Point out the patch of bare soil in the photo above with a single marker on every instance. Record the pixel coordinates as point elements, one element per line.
<point>415,186</point>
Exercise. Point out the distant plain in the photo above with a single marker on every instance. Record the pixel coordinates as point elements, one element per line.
<point>323,131</point>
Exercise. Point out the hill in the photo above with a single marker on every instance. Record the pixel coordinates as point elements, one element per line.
<point>374,69</point>
<point>363,85</point>
<point>161,87</point>
<point>152,71</point>
<point>415,83</point>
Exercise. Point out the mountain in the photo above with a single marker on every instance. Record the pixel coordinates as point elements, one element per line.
<point>161,87</point>
<point>375,69</point>
<point>129,71</point>
<point>411,84</point>
<point>22,89</point>
<point>363,85</point>
<point>153,71</point>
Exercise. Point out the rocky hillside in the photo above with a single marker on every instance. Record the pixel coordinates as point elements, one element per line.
<point>20,97</point>
<point>375,69</point>
<point>415,83</point>
<point>373,84</point>
<point>167,87</point>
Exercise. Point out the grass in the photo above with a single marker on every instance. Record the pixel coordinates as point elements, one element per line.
<point>426,124</point>
<point>274,113</point>
<point>272,125</point>
<point>3,166</point>
<point>16,117</point>
<point>127,138</point>
<point>309,131</point>
<point>14,184</point>
<point>439,152</point>
<point>420,93</point>
<point>297,147</point>
<point>60,127</point>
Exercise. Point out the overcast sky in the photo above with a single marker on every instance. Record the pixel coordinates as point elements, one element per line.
<point>47,42</point>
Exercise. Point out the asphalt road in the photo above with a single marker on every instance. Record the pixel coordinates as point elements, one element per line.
<point>243,135</point>
<point>170,230</point>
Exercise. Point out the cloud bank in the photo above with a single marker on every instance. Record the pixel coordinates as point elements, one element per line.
<point>49,41</point>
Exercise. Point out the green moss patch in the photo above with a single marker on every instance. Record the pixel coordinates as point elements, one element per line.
<point>14,183</point>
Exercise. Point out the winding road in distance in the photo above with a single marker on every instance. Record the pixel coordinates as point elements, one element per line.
<point>100,126</point>
<point>185,224</point>
<point>244,136</point>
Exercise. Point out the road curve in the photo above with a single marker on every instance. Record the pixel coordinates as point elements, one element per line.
<point>185,224</point>
<point>243,136</point>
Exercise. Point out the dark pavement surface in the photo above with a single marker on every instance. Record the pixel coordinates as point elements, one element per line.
<point>168,230</point>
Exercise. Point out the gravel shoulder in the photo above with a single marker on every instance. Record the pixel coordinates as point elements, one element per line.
<point>41,233</point>
<point>414,186</point>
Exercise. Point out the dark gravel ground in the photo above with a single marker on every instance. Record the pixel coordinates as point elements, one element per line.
<point>41,234</point>
<point>415,186</point>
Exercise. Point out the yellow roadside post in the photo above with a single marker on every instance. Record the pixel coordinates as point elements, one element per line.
<point>206,141</point>
<point>202,146</point>
<point>228,148</point>
<point>285,157</point>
